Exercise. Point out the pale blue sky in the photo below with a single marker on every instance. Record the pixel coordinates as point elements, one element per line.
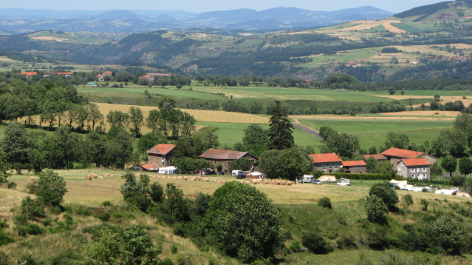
<point>213,5</point>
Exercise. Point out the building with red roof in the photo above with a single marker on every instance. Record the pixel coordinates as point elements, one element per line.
<point>161,155</point>
<point>357,166</point>
<point>29,74</point>
<point>394,155</point>
<point>66,74</point>
<point>328,163</point>
<point>149,167</point>
<point>225,157</point>
<point>418,168</point>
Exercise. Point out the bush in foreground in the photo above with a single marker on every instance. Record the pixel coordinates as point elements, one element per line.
<point>316,243</point>
<point>241,227</point>
<point>325,202</point>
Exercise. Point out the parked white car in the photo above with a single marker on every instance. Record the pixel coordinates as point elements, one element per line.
<point>344,182</point>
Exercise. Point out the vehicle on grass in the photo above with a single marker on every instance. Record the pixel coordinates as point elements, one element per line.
<point>169,170</point>
<point>306,179</point>
<point>235,173</point>
<point>255,176</point>
<point>317,182</point>
<point>344,182</point>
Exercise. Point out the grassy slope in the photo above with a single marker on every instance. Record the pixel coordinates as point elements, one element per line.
<point>373,132</point>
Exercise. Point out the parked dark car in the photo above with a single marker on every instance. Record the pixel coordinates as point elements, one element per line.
<point>240,176</point>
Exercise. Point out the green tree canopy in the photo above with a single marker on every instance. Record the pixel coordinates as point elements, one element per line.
<point>449,164</point>
<point>280,131</point>
<point>286,164</point>
<point>465,166</point>
<point>242,228</point>
<point>51,188</point>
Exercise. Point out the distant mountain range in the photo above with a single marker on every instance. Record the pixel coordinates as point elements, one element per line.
<point>113,21</point>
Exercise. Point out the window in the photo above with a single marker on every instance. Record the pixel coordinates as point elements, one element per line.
<point>418,170</point>
<point>412,176</point>
<point>412,170</point>
<point>424,169</point>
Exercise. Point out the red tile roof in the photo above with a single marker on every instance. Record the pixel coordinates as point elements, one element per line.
<point>64,73</point>
<point>150,167</point>
<point>29,73</point>
<point>416,162</point>
<point>107,73</point>
<point>396,152</point>
<point>357,163</point>
<point>377,157</point>
<point>161,149</point>
<point>325,158</point>
<point>98,75</point>
<point>222,154</point>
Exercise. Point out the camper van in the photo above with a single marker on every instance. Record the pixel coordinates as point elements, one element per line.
<point>169,170</point>
<point>306,179</point>
<point>238,174</point>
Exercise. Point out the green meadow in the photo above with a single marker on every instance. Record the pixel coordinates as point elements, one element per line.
<point>373,132</point>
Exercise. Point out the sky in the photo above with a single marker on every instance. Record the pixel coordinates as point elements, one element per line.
<point>214,5</point>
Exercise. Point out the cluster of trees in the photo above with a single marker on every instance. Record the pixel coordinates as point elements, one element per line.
<point>227,220</point>
<point>340,143</point>
<point>19,99</point>
<point>174,80</point>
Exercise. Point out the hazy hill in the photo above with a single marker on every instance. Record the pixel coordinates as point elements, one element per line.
<point>27,20</point>
<point>440,10</point>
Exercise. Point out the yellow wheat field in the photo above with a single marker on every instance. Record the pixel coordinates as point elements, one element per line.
<point>200,115</point>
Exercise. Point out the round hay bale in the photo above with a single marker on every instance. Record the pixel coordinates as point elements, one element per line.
<point>289,183</point>
<point>205,180</point>
<point>95,176</point>
<point>278,182</point>
<point>31,178</point>
<point>184,178</point>
<point>88,177</point>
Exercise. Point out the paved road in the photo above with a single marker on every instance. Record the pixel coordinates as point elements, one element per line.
<point>308,130</point>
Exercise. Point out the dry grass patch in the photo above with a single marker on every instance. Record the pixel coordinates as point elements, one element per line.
<point>424,113</point>
<point>200,115</point>
<point>50,38</point>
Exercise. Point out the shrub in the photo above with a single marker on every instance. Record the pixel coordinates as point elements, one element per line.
<point>33,208</point>
<point>56,209</point>
<point>446,234</point>
<point>157,192</point>
<point>47,222</point>
<point>457,181</point>
<point>4,238</point>
<point>316,243</point>
<point>106,203</point>
<point>22,230</point>
<point>202,203</point>
<point>424,205</point>
<point>408,199</point>
<point>104,217</point>
<point>4,259</point>
<point>179,230</point>
<point>376,209</point>
<point>376,239</point>
<point>174,250</point>
<point>34,229</point>
<point>346,242</point>
<point>296,246</point>
<point>325,202</point>
<point>243,229</point>
<point>424,190</point>
<point>385,193</point>
<point>11,185</point>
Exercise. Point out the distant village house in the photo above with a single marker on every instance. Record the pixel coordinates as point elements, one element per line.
<point>161,155</point>
<point>225,157</point>
<point>328,163</point>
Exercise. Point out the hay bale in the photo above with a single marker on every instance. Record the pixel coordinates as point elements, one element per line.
<point>95,176</point>
<point>31,178</point>
<point>88,177</point>
<point>289,183</point>
<point>205,180</point>
<point>251,181</point>
<point>278,182</point>
<point>184,178</point>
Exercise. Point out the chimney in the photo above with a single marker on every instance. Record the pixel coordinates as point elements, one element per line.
<point>320,155</point>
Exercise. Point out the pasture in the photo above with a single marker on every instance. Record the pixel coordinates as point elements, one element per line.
<point>372,132</point>
<point>231,133</point>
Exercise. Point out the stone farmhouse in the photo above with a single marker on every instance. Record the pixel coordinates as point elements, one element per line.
<point>414,168</point>
<point>358,166</point>
<point>161,155</point>
<point>329,163</point>
<point>224,157</point>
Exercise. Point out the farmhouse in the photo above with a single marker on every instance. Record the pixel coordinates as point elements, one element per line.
<point>224,157</point>
<point>100,77</point>
<point>414,168</point>
<point>394,155</point>
<point>148,167</point>
<point>161,155</point>
<point>378,157</point>
<point>152,76</point>
<point>327,162</point>
<point>66,74</point>
<point>358,166</point>
<point>29,74</point>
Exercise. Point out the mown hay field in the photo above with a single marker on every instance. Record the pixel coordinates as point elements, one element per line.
<point>94,192</point>
<point>200,115</point>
